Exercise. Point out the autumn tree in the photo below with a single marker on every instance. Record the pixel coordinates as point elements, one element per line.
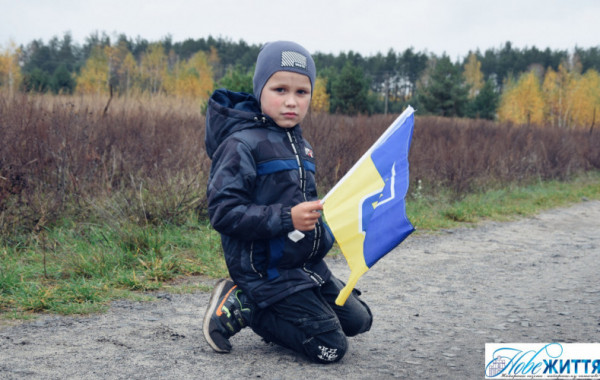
<point>94,75</point>
<point>191,78</point>
<point>473,75</point>
<point>153,68</point>
<point>123,69</point>
<point>555,89</point>
<point>522,101</point>
<point>10,72</point>
<point>214,60</point>
<point>585,99</point>
<point>320,97</point>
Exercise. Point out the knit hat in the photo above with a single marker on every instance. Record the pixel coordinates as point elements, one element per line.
<point>282,56</point>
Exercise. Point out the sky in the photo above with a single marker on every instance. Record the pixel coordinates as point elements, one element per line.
<point>368,27</point>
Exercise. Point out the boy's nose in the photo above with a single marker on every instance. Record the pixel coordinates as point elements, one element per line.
<point>290,101</point>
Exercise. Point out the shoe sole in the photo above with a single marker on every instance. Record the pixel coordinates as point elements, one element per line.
<point>213,303</point>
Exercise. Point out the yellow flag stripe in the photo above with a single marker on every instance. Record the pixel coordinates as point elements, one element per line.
<point>342,211</point>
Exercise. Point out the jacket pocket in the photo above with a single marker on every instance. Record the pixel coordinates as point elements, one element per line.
<point>257,258</point>
<point>295,254</point>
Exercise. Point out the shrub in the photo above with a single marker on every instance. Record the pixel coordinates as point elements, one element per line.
<point>143,161</point>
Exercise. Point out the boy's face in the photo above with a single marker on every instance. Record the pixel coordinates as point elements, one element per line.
<point>286,98</point>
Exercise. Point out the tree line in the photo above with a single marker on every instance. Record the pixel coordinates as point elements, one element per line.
<point>508,84</point>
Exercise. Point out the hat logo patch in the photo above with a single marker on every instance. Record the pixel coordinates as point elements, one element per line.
<point>293,59</point>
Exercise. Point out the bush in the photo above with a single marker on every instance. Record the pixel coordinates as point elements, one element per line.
<point>143,160</point>
<point>67,157</point>
<point>463,155</point>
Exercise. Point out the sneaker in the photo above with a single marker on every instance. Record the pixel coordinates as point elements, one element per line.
<point>224,315</point>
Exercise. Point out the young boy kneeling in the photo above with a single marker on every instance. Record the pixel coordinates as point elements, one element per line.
<point>261,188</point>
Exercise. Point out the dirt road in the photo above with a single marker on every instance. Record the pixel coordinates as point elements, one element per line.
<point>437,299</point>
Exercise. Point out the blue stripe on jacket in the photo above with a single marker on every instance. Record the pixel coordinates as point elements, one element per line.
<point>276,245</point>
<point>275,166</point>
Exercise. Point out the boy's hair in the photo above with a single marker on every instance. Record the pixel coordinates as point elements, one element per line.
<point>282,56</point>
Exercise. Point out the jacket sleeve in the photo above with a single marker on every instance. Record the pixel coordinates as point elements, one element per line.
<point>230,204</point>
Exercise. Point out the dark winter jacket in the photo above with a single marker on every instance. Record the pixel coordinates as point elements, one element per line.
<point>259,172</point>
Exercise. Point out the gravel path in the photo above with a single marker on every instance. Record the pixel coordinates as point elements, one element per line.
<point>437,300</point>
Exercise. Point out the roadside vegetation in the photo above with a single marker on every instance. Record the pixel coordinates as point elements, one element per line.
<point>101,201</point>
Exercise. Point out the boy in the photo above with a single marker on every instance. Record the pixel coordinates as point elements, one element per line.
<point>261,192</point>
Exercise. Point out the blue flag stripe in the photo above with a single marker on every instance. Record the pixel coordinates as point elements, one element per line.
<point>389,225</point>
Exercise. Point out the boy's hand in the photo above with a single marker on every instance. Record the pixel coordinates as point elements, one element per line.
<point>306,214</point>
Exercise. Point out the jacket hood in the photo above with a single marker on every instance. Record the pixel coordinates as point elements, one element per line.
<point>228,112</point>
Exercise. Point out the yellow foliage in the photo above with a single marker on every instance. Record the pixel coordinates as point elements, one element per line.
<point>556,90</point>
<point>213,58</point>
<point>320,97</point>
<point>473,75</point>
<point>585,95</point>
<point>153,68</point>
<point>572,100</point>
<point>192,78</point>
<point>122,67</point>
<point>93,78</point>
<point>10,71</point>
<point>522,102</point>
<point>554,97</point>
<point>128,72</point>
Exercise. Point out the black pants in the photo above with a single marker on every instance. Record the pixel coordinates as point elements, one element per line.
<point>309,322</point>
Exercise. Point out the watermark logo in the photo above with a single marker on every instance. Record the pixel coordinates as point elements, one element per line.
<point>542,360</point>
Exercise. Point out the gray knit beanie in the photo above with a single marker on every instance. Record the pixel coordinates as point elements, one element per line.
<point>282,56</point>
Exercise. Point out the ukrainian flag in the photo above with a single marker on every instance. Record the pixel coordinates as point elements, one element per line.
<point>365,210</point>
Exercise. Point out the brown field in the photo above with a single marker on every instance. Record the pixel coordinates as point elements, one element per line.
<point>143,159</point>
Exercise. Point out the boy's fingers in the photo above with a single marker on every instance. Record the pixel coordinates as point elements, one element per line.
<point>307,214</point>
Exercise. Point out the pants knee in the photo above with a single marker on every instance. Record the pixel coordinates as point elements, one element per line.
<point>360,323</point>
<point>326,348</point>
<point>326,342</point>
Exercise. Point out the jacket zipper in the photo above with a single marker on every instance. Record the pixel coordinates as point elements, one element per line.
<point>301,169</point>
<point>314,276</point>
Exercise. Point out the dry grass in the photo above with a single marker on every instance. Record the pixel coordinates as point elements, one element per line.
<point>143,159</point>
<point>64,156</point>
<point>463,155</point>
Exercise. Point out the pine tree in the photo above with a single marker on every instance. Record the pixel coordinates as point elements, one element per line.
<point>62,81</point>
<point>237,79</point>
<point>484,105</point>
<point>349,94</point>
<point>443,92</point>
